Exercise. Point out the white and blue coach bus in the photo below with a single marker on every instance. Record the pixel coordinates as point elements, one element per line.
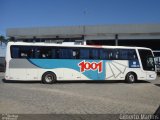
<point>50,62</point>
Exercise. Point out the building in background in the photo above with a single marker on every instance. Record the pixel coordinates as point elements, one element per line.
<point>143,35</point>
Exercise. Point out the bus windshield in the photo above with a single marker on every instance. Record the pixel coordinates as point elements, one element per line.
<point>147,60</point>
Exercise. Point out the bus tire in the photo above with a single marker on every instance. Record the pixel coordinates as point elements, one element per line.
<point>131,77</point>
<point>49,78</point>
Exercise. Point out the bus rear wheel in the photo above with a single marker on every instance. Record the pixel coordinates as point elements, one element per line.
<point>131,77</point>
<point>48,78</point>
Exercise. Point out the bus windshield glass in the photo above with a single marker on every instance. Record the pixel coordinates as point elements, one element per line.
<point>147,60</point>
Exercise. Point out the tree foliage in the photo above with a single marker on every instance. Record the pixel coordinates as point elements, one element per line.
<point>2,39</point>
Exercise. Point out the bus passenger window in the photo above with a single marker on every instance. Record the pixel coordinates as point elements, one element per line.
<point>132,54</point>
<point>53,53</point>
<point>116,54</point>
<point>104,54</point>
<point>94,54</point>
<point>43,52</point>
<point>31,53</point>
<point>26,52</point>
<point>23,55</point>
<point>65,53</point>
<point>84,54</point>
<point>37,53</point>
<point>111,54</point>
<point>15,52</point>
<point>75,54</point>
<point>123,54</point>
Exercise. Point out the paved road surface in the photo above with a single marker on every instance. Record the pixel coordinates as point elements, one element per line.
<point>79,97</point>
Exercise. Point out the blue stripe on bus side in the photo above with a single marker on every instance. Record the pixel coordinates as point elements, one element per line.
<point>71,64</point>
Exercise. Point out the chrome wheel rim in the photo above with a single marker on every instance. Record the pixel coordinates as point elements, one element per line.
<point>49,78</point>
<point>131,78</point>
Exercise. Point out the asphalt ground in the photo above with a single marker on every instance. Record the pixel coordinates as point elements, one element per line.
<point>80,97</point>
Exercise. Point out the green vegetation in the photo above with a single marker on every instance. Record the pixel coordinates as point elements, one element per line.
<point>3,39</point>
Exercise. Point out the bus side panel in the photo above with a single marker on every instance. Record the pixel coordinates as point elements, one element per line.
<point>66,69</point>
<point>32,74</point>
<point>151,75</point>
<point>115,69</point>
<point>61,73</point>
<point>21,69</point>
<point>141,75</point>
<point>118,69</point>
<point>17,74</point>
<point>33,69</point>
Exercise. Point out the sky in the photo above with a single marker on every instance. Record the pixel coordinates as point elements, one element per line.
<point>39,13</point>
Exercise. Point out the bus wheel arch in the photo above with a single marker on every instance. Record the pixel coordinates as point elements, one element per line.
<point>49,77</point>
<point>131,77</point>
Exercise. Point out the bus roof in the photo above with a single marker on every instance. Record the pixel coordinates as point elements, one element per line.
<point>64,45</point>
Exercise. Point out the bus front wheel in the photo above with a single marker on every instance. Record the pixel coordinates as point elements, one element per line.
<point>131,77</point>
<point>48,78</point>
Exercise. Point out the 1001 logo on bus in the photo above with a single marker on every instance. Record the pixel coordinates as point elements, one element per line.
<point>84,65</point>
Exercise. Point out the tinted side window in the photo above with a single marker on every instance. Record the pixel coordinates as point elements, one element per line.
<point>14,51</point>
<point>43,52</point>
<point>111,54</point>
<point>26,52</point>
<point>31,52</point>
<point>84,53</point>
<point>132,55</point>
<point>127,54</point>
<point>54,53</point>
<point>104,54</point>
<point>94,53</point>
<point>108,54</point>
<point>67,53</point>
<point>118,54</point>
<point>123,54</point>
<point>75,53</point>
<point>22,52</point>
